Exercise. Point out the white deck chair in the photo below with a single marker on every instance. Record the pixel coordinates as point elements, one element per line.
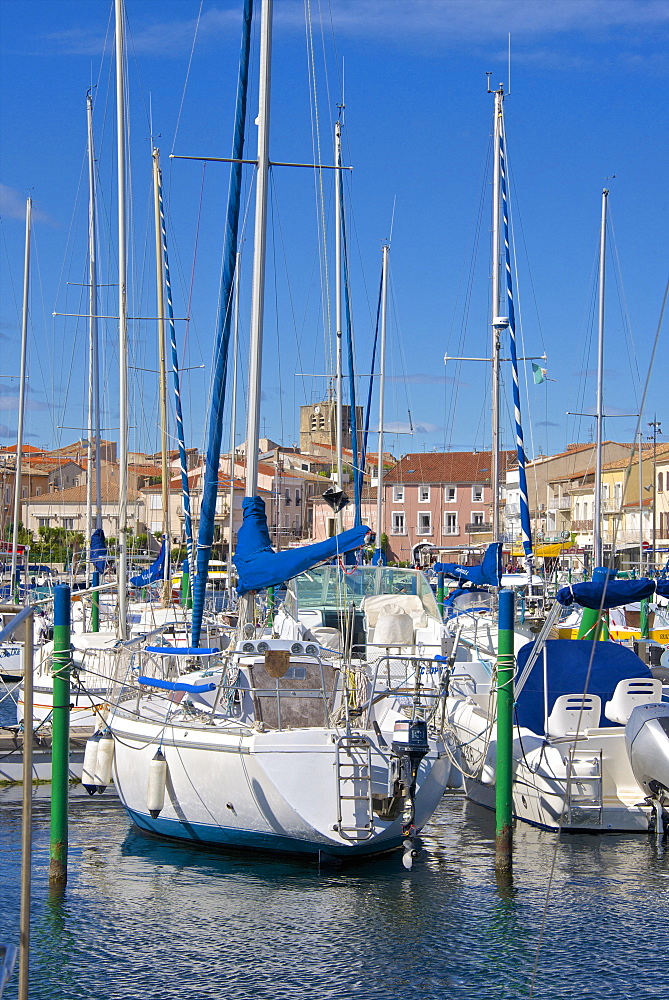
<point>572,713</point>
<point>629,693</point>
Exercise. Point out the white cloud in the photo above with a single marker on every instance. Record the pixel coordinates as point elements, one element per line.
<point>13,206</point>
<point>443,23</point>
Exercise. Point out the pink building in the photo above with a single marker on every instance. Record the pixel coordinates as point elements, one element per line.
<point>439,500</point>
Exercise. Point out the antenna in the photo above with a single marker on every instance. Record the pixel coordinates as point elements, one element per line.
<point>489,87</point>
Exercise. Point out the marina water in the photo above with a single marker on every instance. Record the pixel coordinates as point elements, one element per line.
<point>144,918</point>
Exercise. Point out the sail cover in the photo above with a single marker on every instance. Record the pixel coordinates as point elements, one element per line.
<point>489,571</point>
<point>152,572</point>
<point>259,566</point>
<point>611,593</point>
<point>99,550</point>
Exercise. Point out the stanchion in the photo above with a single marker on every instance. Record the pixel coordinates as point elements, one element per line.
<point>504,770</point>
<point>270,605</point>
<point>60,748</point>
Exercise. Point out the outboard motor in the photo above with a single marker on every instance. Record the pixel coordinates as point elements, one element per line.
<point>410,744</point>
<point>647,738</point>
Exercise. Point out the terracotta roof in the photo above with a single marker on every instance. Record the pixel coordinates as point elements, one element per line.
<point>446,467</point>
<point>77,494</point>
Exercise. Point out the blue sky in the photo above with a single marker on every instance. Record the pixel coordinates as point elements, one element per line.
<point>587,109</point>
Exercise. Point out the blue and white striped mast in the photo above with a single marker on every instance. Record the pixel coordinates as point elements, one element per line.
<point>502,249</point>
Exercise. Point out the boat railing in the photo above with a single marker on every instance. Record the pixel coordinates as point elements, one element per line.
<point>407,682</point>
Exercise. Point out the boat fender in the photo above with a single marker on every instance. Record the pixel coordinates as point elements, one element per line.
<point>155,797</point>
<point>103,763</point>
<point>90,763</point>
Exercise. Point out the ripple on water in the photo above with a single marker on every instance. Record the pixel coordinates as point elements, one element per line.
<point>143,918</point>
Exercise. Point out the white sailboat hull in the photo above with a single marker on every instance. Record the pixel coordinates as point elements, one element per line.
<point>275,790</point>
<point>597,794</point>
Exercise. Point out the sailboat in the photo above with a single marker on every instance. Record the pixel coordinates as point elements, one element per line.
<point>591,722</point>
<point>274,744</point>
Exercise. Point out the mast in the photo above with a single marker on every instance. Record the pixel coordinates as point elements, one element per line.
<point>162,374</point>
<point>597,554</point>
<point>338,315</point>
<point>382,390</point>
<point>22,399</point>
<point>122,568</point>
<point>233,424</point>
<point>93,365</point>
<point>259,254</point>
<point>640,504</point>
<point>496,318</point>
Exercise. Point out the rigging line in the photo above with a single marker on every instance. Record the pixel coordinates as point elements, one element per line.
<point>278,226</point>
<point>188,68</point>
<point>634,363</point>
<point>656,339</point>
<point>276,320</point>
<point>318,182</point>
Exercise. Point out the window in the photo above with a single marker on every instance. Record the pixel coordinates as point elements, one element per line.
<point>24,492</point>
<point>398,494</point>
<point>425,523</point>
<point>477,517</point>
<point>313,423</point>
<point>297,496</point>
<point>423,494</point>
<point>660,482</point>
<point>155,501</point>
<point>398,525</point>
<point>451,524</point>
<point>450,494</point>
<point>38,491</point>
<point>605,491</point>
<point>618,492</point>
<point>68,523</point>
<point>42,522</point>
<point>577,511</point>
<point>477,494</point>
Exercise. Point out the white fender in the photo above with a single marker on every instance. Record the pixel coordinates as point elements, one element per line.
<point>155,796</point>
<point>103,764</point>
<point>88,773</point>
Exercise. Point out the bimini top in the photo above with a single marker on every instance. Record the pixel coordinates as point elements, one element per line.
<point>259,566</point>
<point>489,571</point>
<point>611,593</point>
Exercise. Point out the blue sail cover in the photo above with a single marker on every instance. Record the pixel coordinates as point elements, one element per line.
<point>99,550</point>
<point>152,572</point>
<point>611,593</point>
<point>259,566</point>
<point>489,571</point>
<point>573,666</point>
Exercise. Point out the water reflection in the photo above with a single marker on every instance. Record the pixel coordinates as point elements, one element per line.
<point>142,917</point>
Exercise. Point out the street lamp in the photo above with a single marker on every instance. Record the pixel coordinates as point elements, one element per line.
<point>657,429</point>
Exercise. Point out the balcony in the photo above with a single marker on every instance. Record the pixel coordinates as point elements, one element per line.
<point>559,503</point>
<point>474,528</point>
<point>452,532</point>
<point>581,525</point>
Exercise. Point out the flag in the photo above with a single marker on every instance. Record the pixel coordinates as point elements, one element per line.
<point>539,373</point>
<point>152,572</point>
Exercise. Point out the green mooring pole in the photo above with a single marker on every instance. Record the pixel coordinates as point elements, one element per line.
<point>440,594</point>
<point>186,592</point>
<point>270,605</point>
<point>95,603</point>
<point>593,625</point>
<point>643,618</point>
<point>504,776</point>
<point>60,748</point>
